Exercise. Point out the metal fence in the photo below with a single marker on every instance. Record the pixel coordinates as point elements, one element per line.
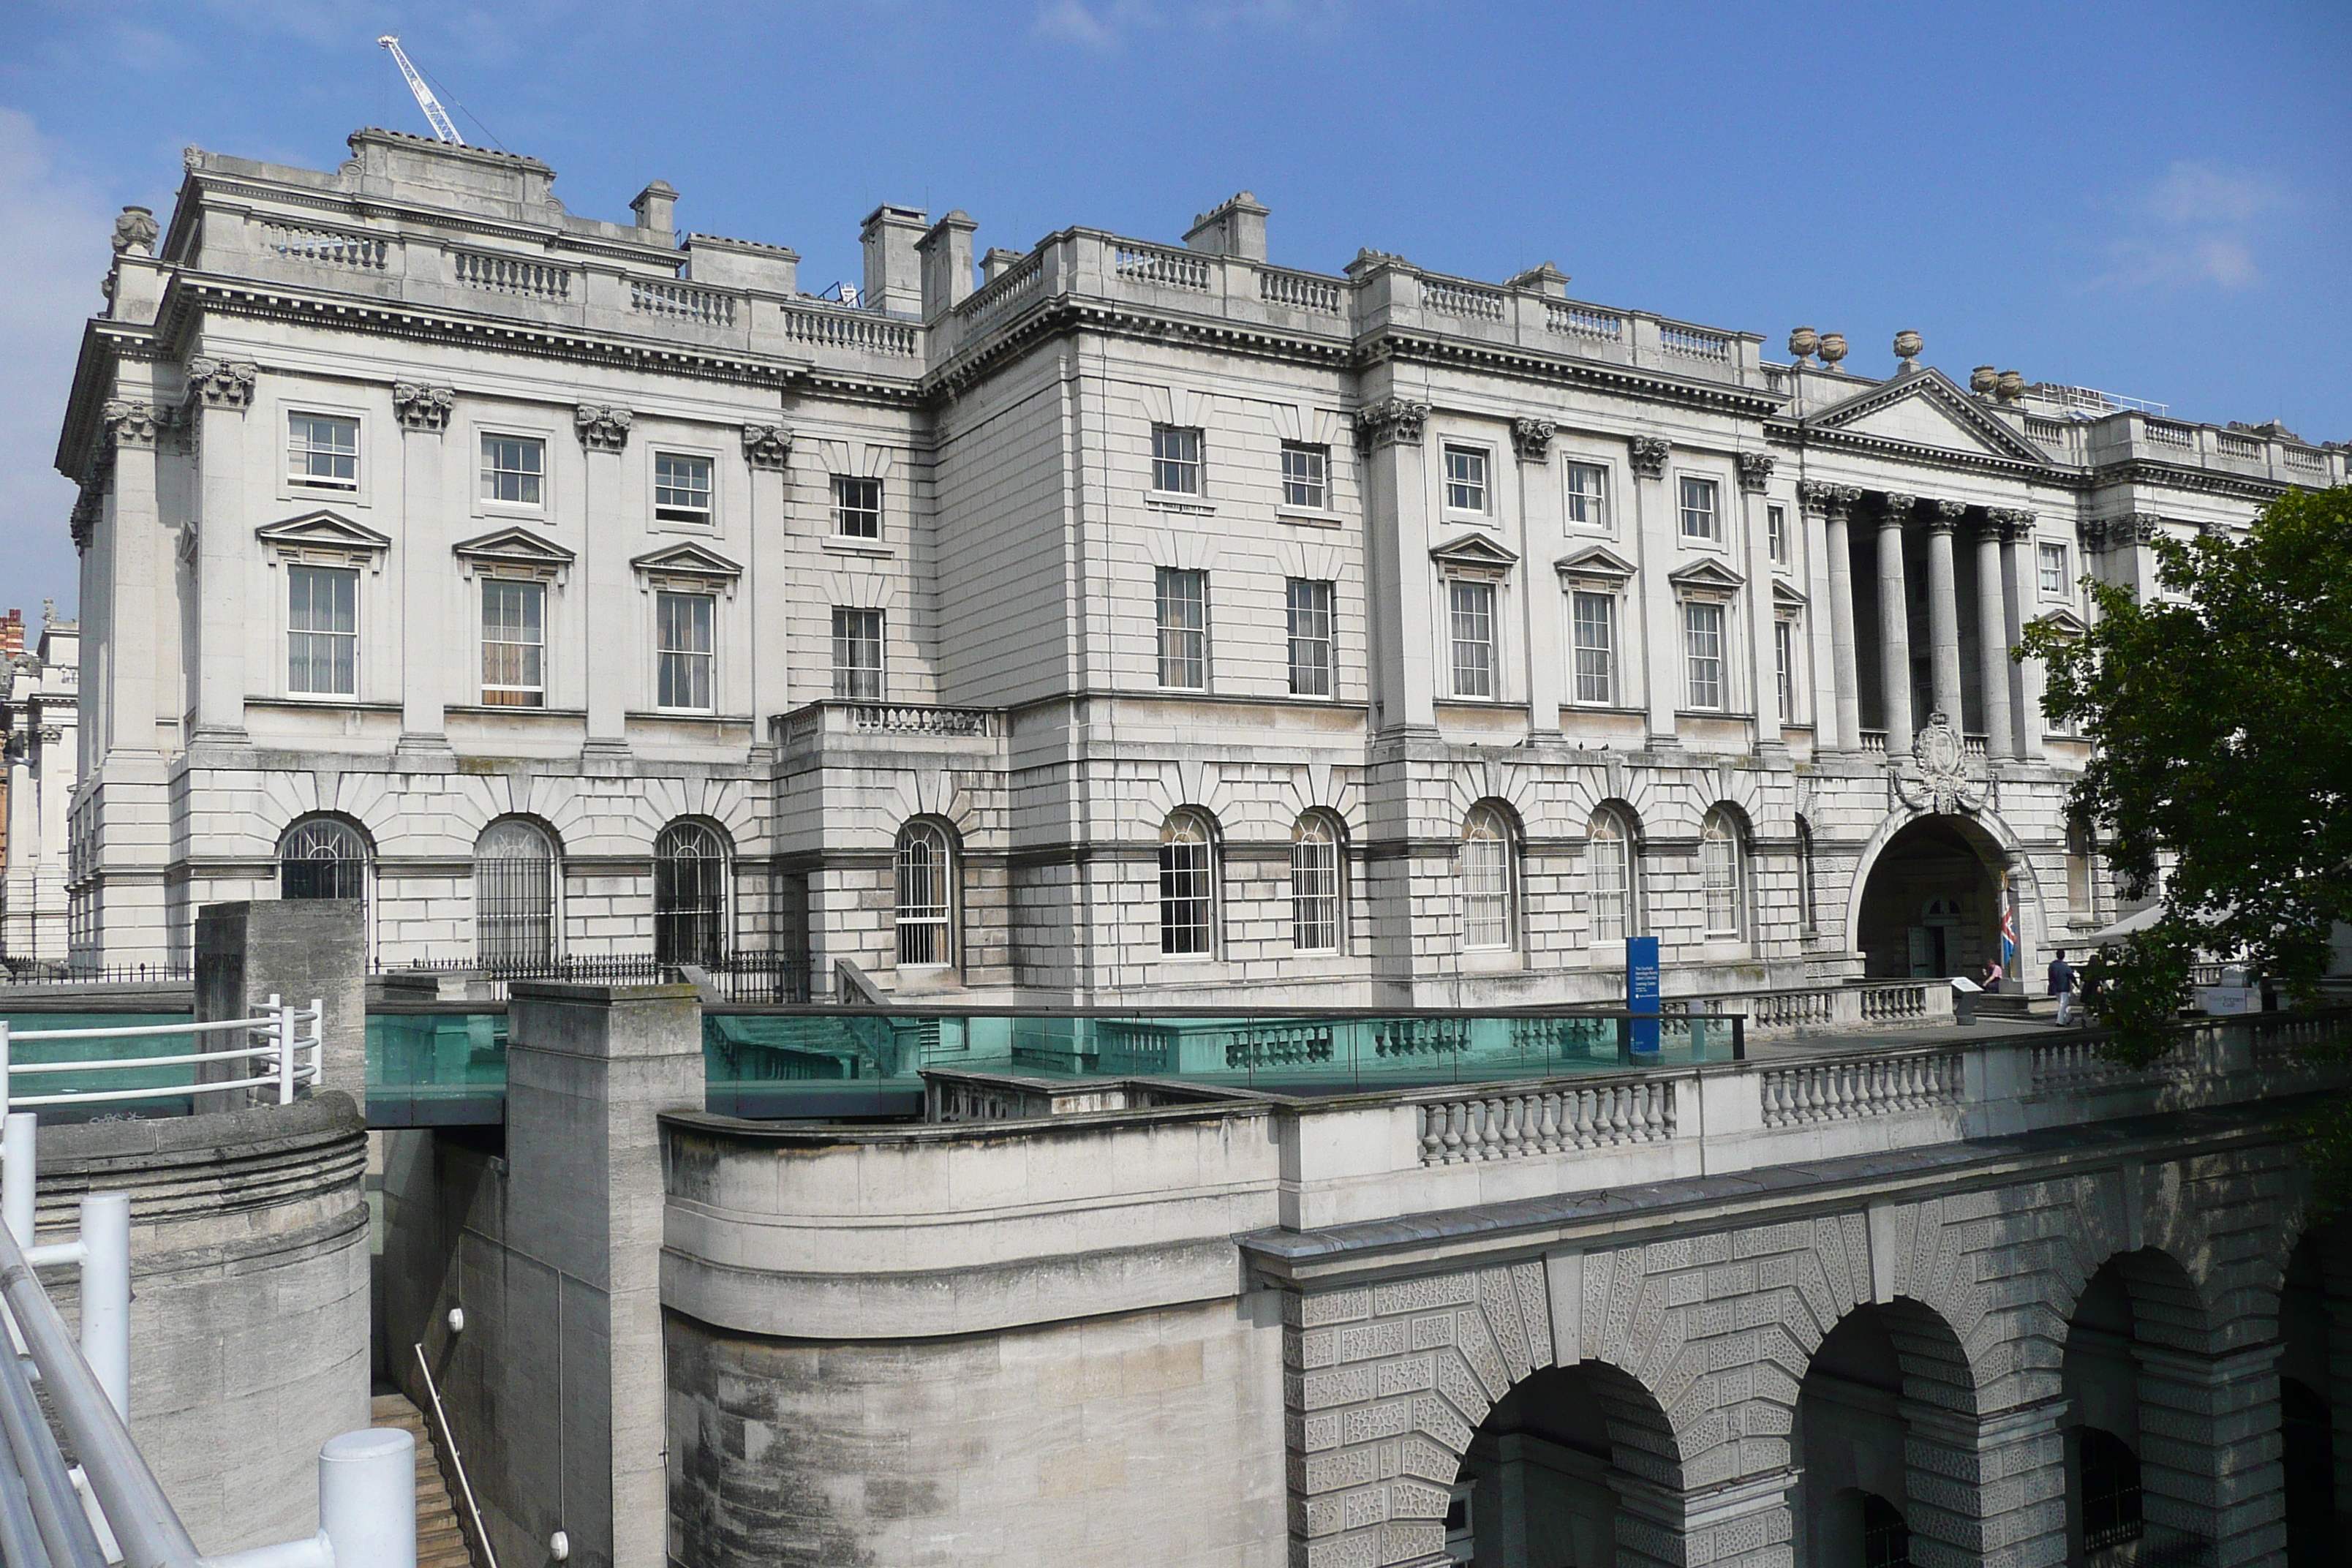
<point>286,1058</point>
<point>749,978</point>
<point>54,972</point>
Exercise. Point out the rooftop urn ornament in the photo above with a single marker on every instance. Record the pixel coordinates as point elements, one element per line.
<point>135,230</point>
<point>1984,379</point>
<point>1832,349</point>
<point>1908,344</point>
<point>2009,386</point>
<point>1802,343</point>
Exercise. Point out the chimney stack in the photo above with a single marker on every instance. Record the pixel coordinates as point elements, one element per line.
<point>894,282</point>
<point>946,251</point>
<point>1236,227</point>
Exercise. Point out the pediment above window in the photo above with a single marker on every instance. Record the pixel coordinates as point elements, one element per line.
<point>1595,568</point>
<point>1709,579</point>
<point>1787,600</point>
<point>514,552</point>
<point>323,538</point>
<point>688,567</point>
<point>1474,555</point>
<point>2065,623</point>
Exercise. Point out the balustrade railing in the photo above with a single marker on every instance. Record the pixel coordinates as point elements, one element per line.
<point>2303,457</point>
<point>1874,740</point>
<point>1892,1004</point>
<point>1842,1091</point>
<point>1006,295</point>
<point>2165,433</point>
<point>1459,1130</point>
<point>1133,263</point>
<point>915,719</point>
<point>1584,322</point>
<point>840,328</point>
<point>511,275</point>
<point>1466,301</point>
<point>1692,343</point>
<point>328,246</point>
<point>681,303</point>
<point>1300,291</point>
<point>2230,444</point>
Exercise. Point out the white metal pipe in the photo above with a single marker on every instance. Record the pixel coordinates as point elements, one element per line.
<point>242,1053</point>
<point>56,1507</point>
<point>105,1294</point>
<point>4,1067</point>
<point>204,1028</point>
<point>367,1498</point>
<point>19,1174</point>
<point>284,1053</point>
<point>316,1553</point>
<point>20,1531</point>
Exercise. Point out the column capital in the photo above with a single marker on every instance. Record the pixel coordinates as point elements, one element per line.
<point>130,424</point>
<point>602,427</point>
<point>1945,514</point>
<point>1649,454</point>
<point>423,407</point>
<point>768,447</point>
<point>1393,421</point>
<point>2015,524</point>
<point>1833,501</point>
<point>221,383</point>
<point>1900,507</point>
<point>1755,471</point>
<point>1532,438</point>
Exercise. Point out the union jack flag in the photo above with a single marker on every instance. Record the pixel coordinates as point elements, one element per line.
<point>2008,928</point>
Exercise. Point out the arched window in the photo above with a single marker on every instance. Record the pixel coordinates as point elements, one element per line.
<point>514,895</point>
<point>1805,877</point>
<point>323,857</point>
<point>1608,868</point>
<point>1718,868</point>
<point>689,894</point>
<point>1315,904</point>
<point>926,896</point>
<point>1486,878</point>
<point>2109,1488</point>
<point>1188,886</point>
<point>1886,1539</point>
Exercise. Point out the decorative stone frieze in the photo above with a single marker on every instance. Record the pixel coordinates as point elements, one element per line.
<point>1648,454</point>
<point>422,406</point>
<point>600,427</point>
<point>1943,784</point>
<point>1532,438</point>
<point>768,447</point>
<point>1396,422</point>
<point>1755,471</point>
<point>222,383</point>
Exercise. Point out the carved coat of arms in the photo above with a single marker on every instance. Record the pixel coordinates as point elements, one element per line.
<point>1938,780</point>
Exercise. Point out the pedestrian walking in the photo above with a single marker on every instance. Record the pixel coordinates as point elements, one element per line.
<point>2062,986</point>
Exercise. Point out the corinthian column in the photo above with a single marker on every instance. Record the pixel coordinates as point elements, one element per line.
<point>1894,625</point>
<point>2017,541</point>
<point>1835,502</point>
<point>1944,611</point>
<point>219,393</point>
<point>1992,641</point>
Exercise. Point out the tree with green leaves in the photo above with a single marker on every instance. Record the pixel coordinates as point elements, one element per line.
<point>2220,714</point>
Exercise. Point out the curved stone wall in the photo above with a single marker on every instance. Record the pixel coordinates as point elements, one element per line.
<point>249,1299</point>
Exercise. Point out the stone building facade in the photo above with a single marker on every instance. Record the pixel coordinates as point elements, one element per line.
<point>1126,619</point>
<point>40,750</point>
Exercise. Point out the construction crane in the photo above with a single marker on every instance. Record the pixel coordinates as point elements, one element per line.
<point>434,114</point>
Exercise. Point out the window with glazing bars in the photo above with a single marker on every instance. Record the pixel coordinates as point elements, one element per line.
<point>1470,611</point>
<point>1588,495</point>
<point>1776,534</point>
<point>323,451</point>
<point>322,642</point>
<point>857,654</point>
<point>1718,866</point>
<point>1784,666</point>
<point>2110,1489</point>
<point>1465,479</point>
<point>1608,869</point>
<point>689,894</point>
<point>681,487</point>
<point>1486,878</point>
<point>1314,885</point>
<point>2053,558</point>
<point>1175,460</point>
<point>513,468</point>
<point>1187,887</point>
<point>1698,509</point>
<point>1304,475</point>
<point>1310,638</point>
<point>925,896</point>
<point>321,857</point>
<point>1183,610</point>
<point>514,644</point>
<point>857,507</point>
<point>1886,1539</point>
<point>1703,643</point>
<point>683,642</point>
<point>1595,617</point>
<point>514,896</point>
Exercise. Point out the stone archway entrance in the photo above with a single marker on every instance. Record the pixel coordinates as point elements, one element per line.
<point>1932,905</point>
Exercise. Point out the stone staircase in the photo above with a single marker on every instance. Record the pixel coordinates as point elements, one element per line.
<point>440,1539</point>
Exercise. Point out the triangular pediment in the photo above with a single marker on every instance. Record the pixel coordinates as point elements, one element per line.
<point>1708,576</point>
<point>1786,598</point>
<point>514,550</point>
<point>2065,623</point>
<point>1595,563</point>
<point>1474,553</point>
<point>686,560</point>
<point>323,530</point>
<point>1927,409</point>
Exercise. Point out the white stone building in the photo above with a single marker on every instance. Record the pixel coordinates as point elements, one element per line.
<point>38,713</point>
<point>1146,620</point>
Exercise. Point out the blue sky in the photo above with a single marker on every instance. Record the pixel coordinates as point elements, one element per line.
<point>2151,199</point>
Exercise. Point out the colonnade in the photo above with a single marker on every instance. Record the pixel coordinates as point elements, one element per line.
<point>2006,587</point>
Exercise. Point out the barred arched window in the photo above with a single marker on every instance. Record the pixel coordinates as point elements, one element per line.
<point>323,857</point>
<point>1805,917</point>
<point>1188,886</point>
<point>1315,898</point>
<point>514,895</point>
<point>689,894</point>
<point>1719,863</point>
<point>1609,872</point>
<point>926,896</point>
<point>1486,880</point>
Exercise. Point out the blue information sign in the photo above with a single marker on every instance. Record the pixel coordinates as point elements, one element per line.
<point>1642,991</point>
